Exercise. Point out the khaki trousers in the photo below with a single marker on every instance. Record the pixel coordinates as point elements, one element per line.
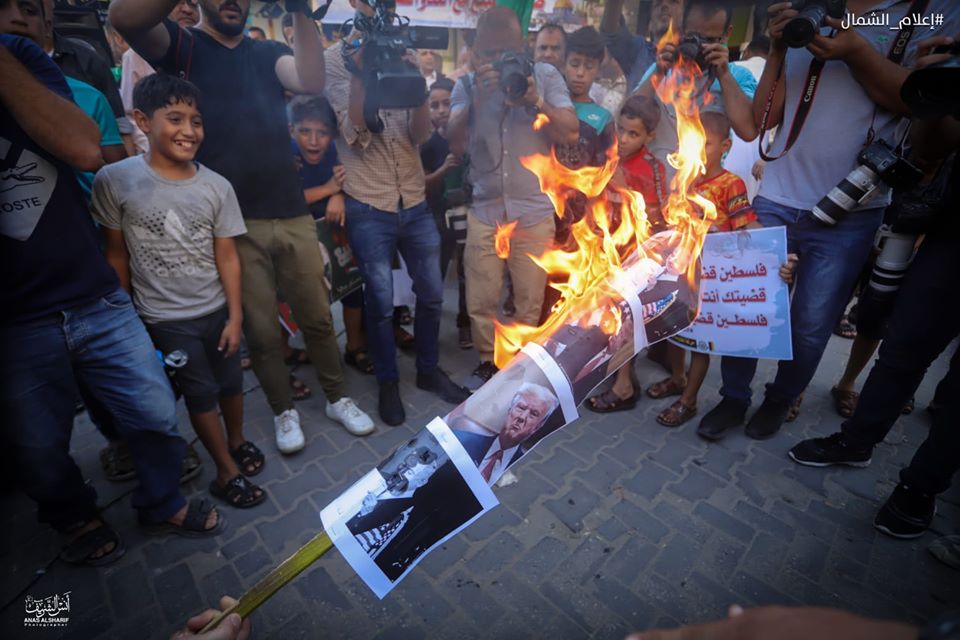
<point>284,254</point>
<point>484,274</point>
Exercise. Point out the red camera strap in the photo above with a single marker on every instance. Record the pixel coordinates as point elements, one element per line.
<point>814,73</point>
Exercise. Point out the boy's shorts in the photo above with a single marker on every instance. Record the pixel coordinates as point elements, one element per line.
<point>208,375</point>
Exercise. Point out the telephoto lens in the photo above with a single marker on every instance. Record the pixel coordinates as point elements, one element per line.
<point>858,184</point>
<point>896,254</point>
<point>801,30</point>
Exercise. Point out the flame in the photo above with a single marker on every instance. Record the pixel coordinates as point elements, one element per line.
<point>501,240</point>
<point>611,234</point>
<point>540,121</point>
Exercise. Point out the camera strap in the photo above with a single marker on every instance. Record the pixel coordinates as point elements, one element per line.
<point>897,51</point>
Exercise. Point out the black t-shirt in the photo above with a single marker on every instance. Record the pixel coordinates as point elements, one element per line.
<point>49,256</point>
<point>80,60</point>
<point>432,154</point>
<point>246,139</point>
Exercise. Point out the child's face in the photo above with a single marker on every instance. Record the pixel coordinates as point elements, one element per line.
<point>631,135</point>
<point>439,103</point>
<point>313,137</point>
<point>580,72</point>
<point>175,131</point>
<point>714,148</point>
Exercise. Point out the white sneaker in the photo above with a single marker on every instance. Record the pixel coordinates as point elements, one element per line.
<point>346,412</point>
<point>289,434</point>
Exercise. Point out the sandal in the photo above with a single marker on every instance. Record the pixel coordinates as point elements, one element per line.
<point>909,407</point>
<point>359,360</point>
<point>194,523</point>
<point>299,390</point>
<point>404,339</point>
<point>117,463</point>
<point>608,402</point>
<point>844,402</point>
<point>664,389</point>
<point>402,315</point>
<point>845,329</point>
<point>238,492</point>
<point>192,466</point>
<point>82,549</point>
<point>676,414</point>
<point>794,411</point>
<point>249,458</point>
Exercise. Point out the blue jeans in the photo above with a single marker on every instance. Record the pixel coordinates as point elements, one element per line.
<point>103,344</point>
<point>375,236</point>
<point>831,259</point>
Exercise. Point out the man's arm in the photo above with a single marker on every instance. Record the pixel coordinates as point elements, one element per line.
<point>420,127</point>
<point>304,71</point>
<point>780,14</point>
<point>316,194</point>
<point>115,251</point>
<point>738,106</point>
<point>228,266</point>
<point>460,107</point>
<point>139,22</point>
<point>34,107</point>
<point>564,126</point>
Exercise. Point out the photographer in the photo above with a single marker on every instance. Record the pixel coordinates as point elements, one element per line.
<point>500,130</point>
<point>924,321</point>
<point>849,88</point>
<point>729,87</point>
<point>386,210</point>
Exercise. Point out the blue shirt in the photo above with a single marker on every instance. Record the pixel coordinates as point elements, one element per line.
<point>316,175</point>
<point>665,140</point>
<point>94,104</point>
<point>50,259</point>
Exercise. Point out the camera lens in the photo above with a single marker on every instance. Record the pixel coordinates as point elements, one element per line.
<point>845,196</point>
<point>800,31</point>
<point>514,85</point>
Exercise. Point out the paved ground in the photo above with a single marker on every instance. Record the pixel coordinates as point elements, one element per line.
<point>616,524</point>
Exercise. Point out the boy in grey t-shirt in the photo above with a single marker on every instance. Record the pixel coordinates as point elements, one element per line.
<point>170,225</point>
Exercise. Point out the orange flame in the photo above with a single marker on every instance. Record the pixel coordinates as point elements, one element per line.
<point>540,121</point>
<point>501,240</point>
<point>611,234</point>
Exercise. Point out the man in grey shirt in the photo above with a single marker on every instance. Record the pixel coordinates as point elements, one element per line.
<point>498,132</point>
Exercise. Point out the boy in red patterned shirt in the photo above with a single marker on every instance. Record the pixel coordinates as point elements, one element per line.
<point>729,194</point>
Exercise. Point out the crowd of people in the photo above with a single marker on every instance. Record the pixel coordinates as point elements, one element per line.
<point>172,212</point>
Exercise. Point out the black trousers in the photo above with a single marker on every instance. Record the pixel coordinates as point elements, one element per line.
<point>925,320</point>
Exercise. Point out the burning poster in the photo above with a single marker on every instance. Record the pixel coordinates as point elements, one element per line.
<point>423,494</point>
<point>745,306</point>
<point>515,409</point>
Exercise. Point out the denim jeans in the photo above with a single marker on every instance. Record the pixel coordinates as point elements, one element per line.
<point>375,236</point>
<point>106,347</point>
<point>831,259</point>
<point>925,319</point>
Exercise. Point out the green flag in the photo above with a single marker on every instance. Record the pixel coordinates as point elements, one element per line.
<point>523,9</point>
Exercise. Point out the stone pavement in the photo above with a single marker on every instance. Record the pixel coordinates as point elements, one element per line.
<point>616,524</point>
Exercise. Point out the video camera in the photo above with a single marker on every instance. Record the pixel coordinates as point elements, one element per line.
<point>801,30</point>
<point>390,82</point>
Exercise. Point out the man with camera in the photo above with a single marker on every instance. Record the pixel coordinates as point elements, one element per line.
<point>924,321</point>
<point>386,208</point>
<point>835,90</point>
<point>242,83</point>
<point>494,110</point>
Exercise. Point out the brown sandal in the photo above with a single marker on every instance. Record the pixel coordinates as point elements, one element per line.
<point>298,389</point>
<point>664,389</point>
<point>676,414</point>
<point>794,411</point>
<point>609,402</point>
<point>844,402</point>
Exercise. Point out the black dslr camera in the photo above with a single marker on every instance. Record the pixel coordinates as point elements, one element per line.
<point>514,69</point>
<point>800,31</point>
<point>390,82</point>
<point>691,48</point>
<point>934,91</point>
<point>878,163</point>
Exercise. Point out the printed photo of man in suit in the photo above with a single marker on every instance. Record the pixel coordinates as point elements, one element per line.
<point>493,451</point>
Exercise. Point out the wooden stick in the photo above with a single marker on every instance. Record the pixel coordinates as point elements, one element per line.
<point>276,579</point>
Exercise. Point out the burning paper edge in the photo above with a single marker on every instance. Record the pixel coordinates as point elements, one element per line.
<point>335,515</point>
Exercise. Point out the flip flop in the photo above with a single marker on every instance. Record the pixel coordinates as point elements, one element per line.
<point>609,402</point>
